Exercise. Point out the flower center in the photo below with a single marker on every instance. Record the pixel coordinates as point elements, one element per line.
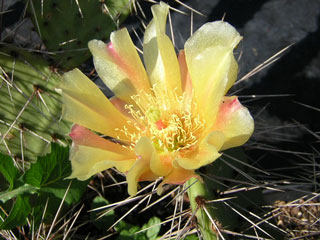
<point>172,127</point>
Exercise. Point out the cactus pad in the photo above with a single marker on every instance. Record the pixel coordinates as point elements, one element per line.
<point>65,27</point>
<point>30,108</point>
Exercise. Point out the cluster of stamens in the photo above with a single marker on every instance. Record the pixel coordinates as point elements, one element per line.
<point>171,123</point>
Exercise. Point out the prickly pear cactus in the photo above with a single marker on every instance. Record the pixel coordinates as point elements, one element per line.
<point>30,108</point>
<point>65,27</point>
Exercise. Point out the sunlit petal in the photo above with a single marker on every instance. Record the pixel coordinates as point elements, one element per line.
<point>177,176</point>
<point>161,164</point>
<point>87,161</point>
<point>86,105</point>
<point>207,152</point>
<point>235,121</point>
<point>185,76</point>
<point>160,57</point>
<point>141,166</point>
<point>119,66</point>
<point>211,65</point>
<point>83,136</point>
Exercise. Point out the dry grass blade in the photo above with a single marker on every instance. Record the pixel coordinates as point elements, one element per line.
<point>245,164</point>
<point>58,211</point>
<point>159,200</point>
<point>307,106</point>
<point>73,222</point>
<point>35,16</point>
<point>190,8</point>
<point>239,171</point>
<point>42,219</point>
<point>127,213</point>
<point>254,225</point>
<point>213,222</point>
<point>307,129</point>
<point>79,8</point>
<point>263,65</point>
<point>18,116</point>
<point>243,235</point>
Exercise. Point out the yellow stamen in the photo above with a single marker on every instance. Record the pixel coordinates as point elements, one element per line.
<point>171,129</point>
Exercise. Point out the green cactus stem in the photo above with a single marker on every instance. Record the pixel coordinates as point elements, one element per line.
<point>30,108</point>
<point>198,195</point>
<point>65,27</point>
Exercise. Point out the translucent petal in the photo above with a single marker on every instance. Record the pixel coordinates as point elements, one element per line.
<point>160,57</point>
<point>148,176</point>
<point>83,136</point>
<point>144,152</point>
<point>87,161</point>
<point>161,164</point>
<point>119,65</point>
<point>177,176</point>
<point>86,105</point>
<point>139,168</point>
<point>120,105</point>
<point>185,76</point>
<point>235,121</point>
<point>211,64</point>
<point>208,151</point>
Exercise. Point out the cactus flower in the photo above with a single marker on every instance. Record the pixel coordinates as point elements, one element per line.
<point>168,117</point>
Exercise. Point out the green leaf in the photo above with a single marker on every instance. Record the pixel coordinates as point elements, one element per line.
<point>50,168</point>
<point>153,231</point>
<point>128,232</point>
<point>8,170</point>
<point>191,237</point>
<point>49,173</point>
<point>104,222</point>
<point>18,214</point>
<point>9,194</point>
<point>38,202</point>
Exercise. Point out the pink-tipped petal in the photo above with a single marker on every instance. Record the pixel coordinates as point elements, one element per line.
<point>211,64</point>
<point>119,65</point>
<point>83,136</point>
<point>86,105</point>
<point>87,161</point>
<point>235,121</point>
<point>185,76</point>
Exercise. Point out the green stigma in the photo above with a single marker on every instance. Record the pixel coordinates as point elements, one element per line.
<point>153,114</point>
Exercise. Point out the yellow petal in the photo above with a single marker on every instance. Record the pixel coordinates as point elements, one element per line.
<point>87,106</point>
<point>177,176</point>
<point>235,121</point>
<point>161,164</point>
<point>144,152</point>
<point>120,105</point>
<point>160,57</point>
<point>185,76</point>
<point>211,64</point>
<point>148,176</point>
<point>83,136</point>
<point>119,65</point>
<point>139,168</point>
<point>207,152</point>
<point>87,161</point>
